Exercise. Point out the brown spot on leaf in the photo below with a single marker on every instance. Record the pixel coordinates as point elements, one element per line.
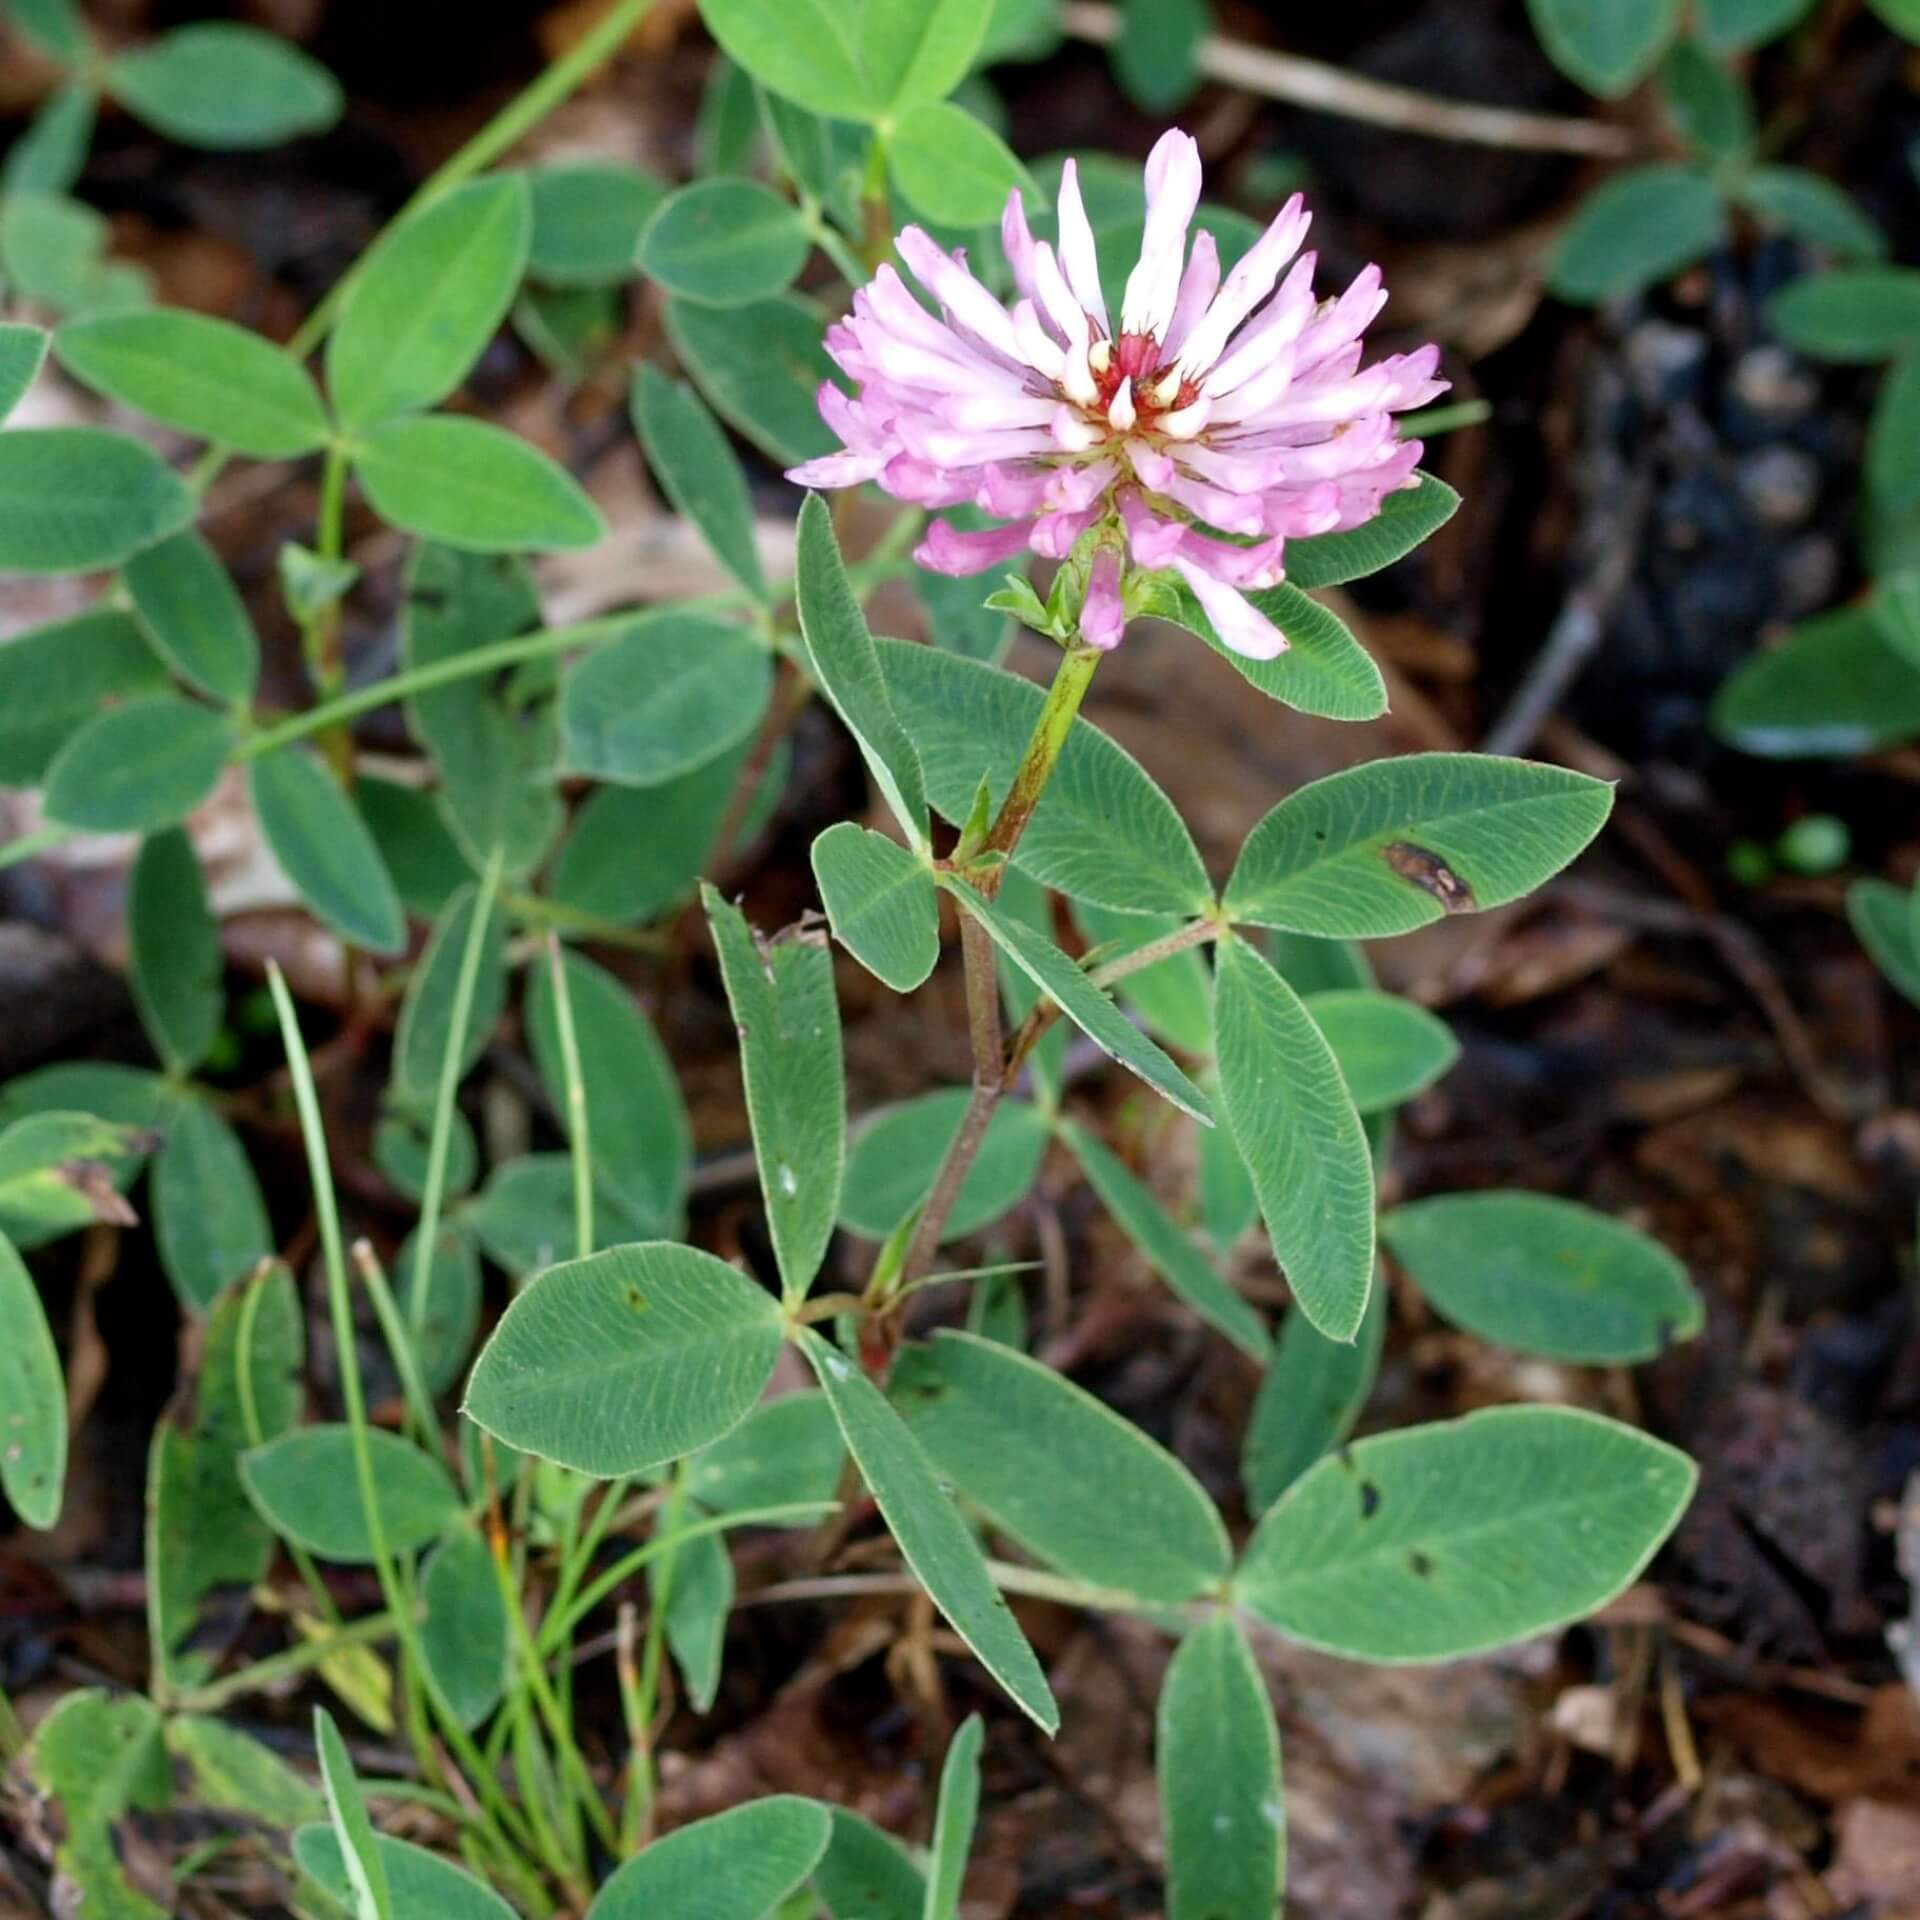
<point>92,1180</point>
<point>1369,1499</point>
<point>1419,867</point>
<point>1420,1565</point>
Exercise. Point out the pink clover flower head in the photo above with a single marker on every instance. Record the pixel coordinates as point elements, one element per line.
<point>1198,430</point>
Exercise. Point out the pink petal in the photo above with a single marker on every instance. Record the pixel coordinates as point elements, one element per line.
<point>1198,285</point>
<point>1103,616</point>
<point>1078,258</point>
<point>1173,192</point>
<point>1152,539</point>
<point>1251,567</point>
<point>1239,623</point>
<point>1054,533</point>
<point>1016,241</point>
<point>957,290</point>
<point>947,549</point>
<point>1246,286</point>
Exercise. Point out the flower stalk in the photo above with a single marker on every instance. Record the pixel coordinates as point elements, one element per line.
<point>982,869</point>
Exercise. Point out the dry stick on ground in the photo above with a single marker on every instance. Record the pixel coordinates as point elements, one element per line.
<point>1581,625</point>
<point>1309,83</point>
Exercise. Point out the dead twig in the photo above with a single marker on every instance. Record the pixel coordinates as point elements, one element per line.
<point>1576,634</point>
<point>1309,83</point>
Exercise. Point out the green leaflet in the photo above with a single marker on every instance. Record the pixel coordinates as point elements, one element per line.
<point>453,1298</point>
<point>1893,437</point>
<point>1637,228</point>
<point>891,55</point>
<point>206,1547</point>
<point>138,767</point>
<point>1607,48</point>
<point>881,903</point>
<point>33,1461</point>
<point>217,1768</point>
<point>360,1851</point>
<point>847,665</point>
<point>1312,1393</point>
<point>738,1865</point>
<point>699,1598</point>
<point>426,299</point>
<point>760,367</point>
<point>1882,917</point>
<point>953,167</point>
<point>725,243</point>
<point>473,486</point>
<point>1435,1542</point>
<point>495,752</point>
<point>324,848</point>
<point>523,1218</point>
<point>1393,844</point>
<point>465,1636</point>
<point>61,1170</point>
<point>420,1883</point>
<point>787,1451</point>
<point>176,968</point>
<point>1388,1049</point>
<point>306,1486</point>
<point>985,1415</point>
<point>1850,314</point>
<point>426,1008</point>
<point>55,678</point>
<point>1156,56</point>
<point>207,377</point>
<point>1294,1122</point>
<point>696,467</point>
<point>929,1531</point>
<point>193,616</point>
<point>55,27</point>
<point>587,222</point>
<point>628,1358</point>
<point>1545,1275</point>
<point>208,1216</point>
<point>1324,670</point>
<point>224,85</point>
<point>95,1760</point>
<point>1218,1761</point>
<point>637,1128</point>
<point>633,852</point>
<point>958,1811</point>
<point>673,692</point>
<point>1836,686</point>
<point>866,1875</point>
<point>1811,208</point>
<point>788,1020</point>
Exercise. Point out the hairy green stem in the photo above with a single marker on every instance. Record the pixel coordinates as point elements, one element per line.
<point>401,686</point>
<point>1050,734</point>
<point>1049,739</point>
